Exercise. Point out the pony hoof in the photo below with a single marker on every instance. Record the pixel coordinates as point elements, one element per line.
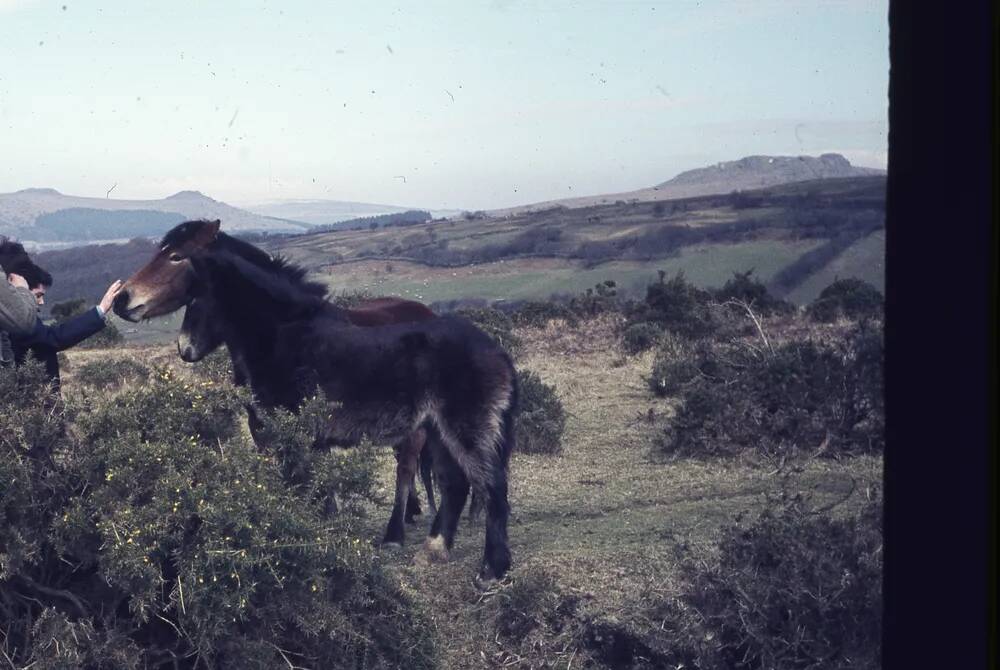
<point>435,551</point>
<point>485,581</point>
<point>392,545</point>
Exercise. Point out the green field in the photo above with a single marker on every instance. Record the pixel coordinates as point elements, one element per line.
<point>705,265</point>
<point>865,259</point>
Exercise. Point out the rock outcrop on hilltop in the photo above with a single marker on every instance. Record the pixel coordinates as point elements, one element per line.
<point>762,171</point>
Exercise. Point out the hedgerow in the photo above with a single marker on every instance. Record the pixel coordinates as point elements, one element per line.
<point>144,530</point>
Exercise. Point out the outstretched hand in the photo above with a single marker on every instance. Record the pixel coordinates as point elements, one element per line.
<point>109,296</point>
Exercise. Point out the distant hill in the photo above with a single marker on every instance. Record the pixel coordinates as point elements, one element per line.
<point>794,235</point>
<point>327,212</point>
<point>751,172</point>
<point>45,217</point>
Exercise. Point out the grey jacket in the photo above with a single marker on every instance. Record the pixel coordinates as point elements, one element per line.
<point>18,313</point>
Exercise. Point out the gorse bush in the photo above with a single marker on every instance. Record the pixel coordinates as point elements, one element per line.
<point>804,396</point>
<point>788,590</point>
<point>497,325</point>
<point>640,336</point>
<point>109,372</point>
<point>744,288</point>
<point>676,305</point>
<point>847,298</point>
<point>148,532</point>
<point>307,464</point>
<point>217,366</point>
<point>598,300</point>
<point>677,363</point>
<point>541,418</point>
<point>538,313</point>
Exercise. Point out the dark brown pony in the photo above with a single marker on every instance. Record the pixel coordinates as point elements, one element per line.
<point>442,375</point>
<point>200,336</point>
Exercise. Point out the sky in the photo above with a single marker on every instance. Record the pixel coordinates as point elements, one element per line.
<point>464,105</point>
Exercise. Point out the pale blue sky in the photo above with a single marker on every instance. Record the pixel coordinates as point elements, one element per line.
<point>476,104</point>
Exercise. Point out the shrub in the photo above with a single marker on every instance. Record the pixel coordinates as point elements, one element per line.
<point>676,364</point>
<point>110,372</point>
<point>825,397</point>
<point>497,325</point>
<point>848,298</point>
<point>788,590</point>
<point>639,337</point>
<point>541,418</point>
<point>676,305</point>
<point>159,537</point>
<point>746,289</point>
<point>598,300</point>
<point>538,313</point>
<point>217,366</point>
<point>534,620</point>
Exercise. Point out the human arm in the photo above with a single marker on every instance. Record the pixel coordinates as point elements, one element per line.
<point>18,309</point>
<point>71,332</point>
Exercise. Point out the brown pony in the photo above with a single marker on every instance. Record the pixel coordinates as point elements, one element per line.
<point>442,375</point>
<point>199,337</point>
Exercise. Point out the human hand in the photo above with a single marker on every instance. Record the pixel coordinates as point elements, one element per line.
<point>109,296</point>
<point>17,280</point>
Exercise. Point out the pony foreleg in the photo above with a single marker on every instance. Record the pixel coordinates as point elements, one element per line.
<point>412,501</point>
<point>406,467</point>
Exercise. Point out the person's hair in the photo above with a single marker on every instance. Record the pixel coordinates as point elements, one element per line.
<point>34,275</point>
<point>11,253</point>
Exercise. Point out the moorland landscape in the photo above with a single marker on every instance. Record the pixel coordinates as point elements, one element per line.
<point>696,481</point>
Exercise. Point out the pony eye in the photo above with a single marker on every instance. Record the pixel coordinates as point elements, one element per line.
<point>176,258</point>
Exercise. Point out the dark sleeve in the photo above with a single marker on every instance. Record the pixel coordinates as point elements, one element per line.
<point>66,334</point>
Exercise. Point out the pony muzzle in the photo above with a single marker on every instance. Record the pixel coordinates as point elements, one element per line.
<point>186,349</point>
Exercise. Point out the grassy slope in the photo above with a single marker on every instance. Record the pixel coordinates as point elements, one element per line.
<point>865,259</point>
<point>529,277</point>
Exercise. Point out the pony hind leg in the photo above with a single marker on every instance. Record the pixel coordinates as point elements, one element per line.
<point>454,487</point>
<point>407,453</point>
<point>496,553</point>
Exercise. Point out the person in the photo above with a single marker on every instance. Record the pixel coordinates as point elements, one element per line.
<point>44,341</point>
<point>18,311</point>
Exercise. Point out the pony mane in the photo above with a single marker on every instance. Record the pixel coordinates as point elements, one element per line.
<point>278,265</point>
<point>245,284</point>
